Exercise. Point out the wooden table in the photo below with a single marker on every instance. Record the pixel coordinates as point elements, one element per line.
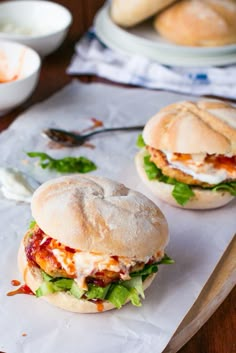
<point>218,335</point>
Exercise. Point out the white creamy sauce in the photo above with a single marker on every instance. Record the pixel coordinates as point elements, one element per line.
<point>88,263</point>
<point>16,185</point>
<point>64,261</point>
<point>10,27</point>
<point>200,171</point>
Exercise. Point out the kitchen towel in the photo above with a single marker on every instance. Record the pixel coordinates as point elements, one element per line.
<point>94,58</point>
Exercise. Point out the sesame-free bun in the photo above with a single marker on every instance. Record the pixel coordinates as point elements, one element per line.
<point>128,13</point>
<point>203,199</point>
<point>33,278</point>
<point>97,214</point>
<point>206,126</point>
<point>199,22</point>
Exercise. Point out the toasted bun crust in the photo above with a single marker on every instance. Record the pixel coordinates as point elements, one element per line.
<point>206,126</point>
<point>63,300</point>
<point>130,12</point>
<point>199,22</point>
<point>203,199</point>
<point>97,214</point>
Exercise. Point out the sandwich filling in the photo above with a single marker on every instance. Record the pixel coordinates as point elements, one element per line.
<point>88,275</point>
<point>186,171</point>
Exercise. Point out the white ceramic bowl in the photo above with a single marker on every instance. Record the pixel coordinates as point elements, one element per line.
<point>41,25</point>
<point>19,73</point>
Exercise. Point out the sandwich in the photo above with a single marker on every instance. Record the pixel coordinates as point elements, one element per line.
<point>94,244</point>
<point>188,154</point>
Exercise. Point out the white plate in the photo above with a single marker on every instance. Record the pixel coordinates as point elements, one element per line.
<point>144,40</point>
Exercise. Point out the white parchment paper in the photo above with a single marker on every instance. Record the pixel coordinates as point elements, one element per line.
<point>197,238</point>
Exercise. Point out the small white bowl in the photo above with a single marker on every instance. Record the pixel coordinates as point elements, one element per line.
<point>41,25</point>
<point>19,74</point>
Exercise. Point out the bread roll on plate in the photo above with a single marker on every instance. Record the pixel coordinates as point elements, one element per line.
<point>189,158</point>
<point>199,22</point>
<point>128,13</point>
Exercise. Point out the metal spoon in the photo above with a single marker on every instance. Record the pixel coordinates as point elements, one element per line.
<point>71,139</point>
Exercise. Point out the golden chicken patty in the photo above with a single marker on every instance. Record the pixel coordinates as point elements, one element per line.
<point>159,158</point>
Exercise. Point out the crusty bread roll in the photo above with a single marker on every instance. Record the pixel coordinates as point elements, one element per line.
<point>100,215</point>
<point>128,13</point>
<point>33,278</point>
<point>206,126</point>
<point>203,199</point>
<point>199,22</point>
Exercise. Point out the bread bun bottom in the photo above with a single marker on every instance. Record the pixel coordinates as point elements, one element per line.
<point>33,279</point>
<point>203,199</point>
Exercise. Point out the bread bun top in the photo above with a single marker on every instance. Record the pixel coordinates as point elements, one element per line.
<point>206,126</point>
<point>100,215</point>
<point>199,22</point>
<point>130,12</point>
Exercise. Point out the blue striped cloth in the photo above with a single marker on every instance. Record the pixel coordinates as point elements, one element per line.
<point>93,57</point>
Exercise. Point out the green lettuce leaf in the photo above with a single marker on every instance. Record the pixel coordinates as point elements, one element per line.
<point>136,283</point>
<point>166,260</point>
<point>230,187</point>
<point>152,268</point>
<point>47,288</point>
<point>182,193</point>
<point>63,283</point>
<point>152,171</point>
<point>118,295</point>
<point>64,165</point>
<point>51,285</point>
<point>97,292</point>
<point>76,291</point>
<point>32,224</point>
<point>134,297</point>
<point>140,141</point>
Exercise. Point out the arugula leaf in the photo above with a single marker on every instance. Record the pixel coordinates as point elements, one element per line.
<point>230,187</point>
<point>140,141</point>
<point>182,193</point>
<point>64,165</point>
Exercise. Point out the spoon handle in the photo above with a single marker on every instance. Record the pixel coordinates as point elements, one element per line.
<point>128,128</point>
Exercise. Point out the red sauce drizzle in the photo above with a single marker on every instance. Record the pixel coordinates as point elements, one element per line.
<point>5,67</point>
<point>15,282</point>
<point>24,289</point>
<point>100,306</point>
<point>67,248</point>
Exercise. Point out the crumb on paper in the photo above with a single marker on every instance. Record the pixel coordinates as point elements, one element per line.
<point>25,162</point>
<point>23,334</point>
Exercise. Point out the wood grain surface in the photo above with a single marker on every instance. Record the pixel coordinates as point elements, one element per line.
<point>218,335</point>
